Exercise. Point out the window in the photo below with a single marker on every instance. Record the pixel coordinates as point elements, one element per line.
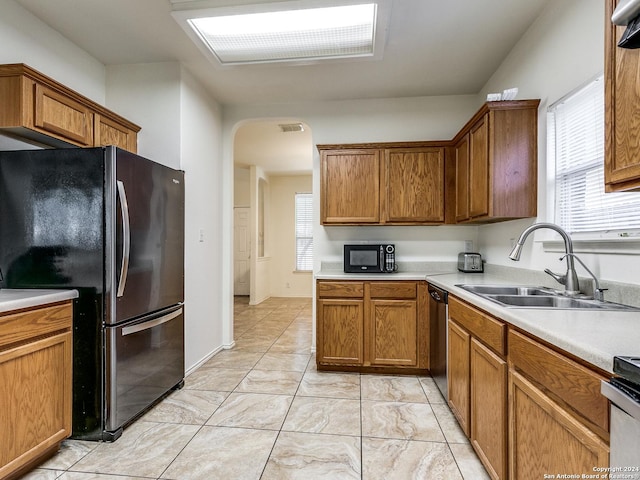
<point>304,232</point>
<point>576,146</point>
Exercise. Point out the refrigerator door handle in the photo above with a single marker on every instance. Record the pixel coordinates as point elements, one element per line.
<point>126,238</point>
<point>154,323</point>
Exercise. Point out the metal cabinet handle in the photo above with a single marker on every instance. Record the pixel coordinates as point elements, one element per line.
<point>126,238</point>
<point>435,296</point>
<point>154,323</point>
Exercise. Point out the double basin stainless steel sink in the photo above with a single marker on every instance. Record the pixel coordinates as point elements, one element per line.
<point>515,296</point>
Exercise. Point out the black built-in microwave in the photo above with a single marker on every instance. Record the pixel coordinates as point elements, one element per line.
<point>378,258</point>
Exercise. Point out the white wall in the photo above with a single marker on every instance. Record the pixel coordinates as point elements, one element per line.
<point>563,50</point>
<point>260,288</point>
<point>26,39</point>
<point>285,281</point>
<point>241,187</point>
<point>381,120</point>
<point>181,129</point>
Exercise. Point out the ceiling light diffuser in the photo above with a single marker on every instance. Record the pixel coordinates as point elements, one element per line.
<point>298,35</point>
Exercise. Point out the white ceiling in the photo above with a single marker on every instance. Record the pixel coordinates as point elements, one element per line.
<point>434,47</point>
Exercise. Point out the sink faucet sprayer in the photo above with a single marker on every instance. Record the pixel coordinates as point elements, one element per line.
<point>569,279</point>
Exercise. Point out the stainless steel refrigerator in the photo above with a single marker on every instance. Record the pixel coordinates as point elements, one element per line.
<point>109,224</point>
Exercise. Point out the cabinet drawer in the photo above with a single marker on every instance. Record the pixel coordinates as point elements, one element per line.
<point>340,289</point>
<point>393,289</point>
<point>573,383</point>
<point>18,327</point>
<point>491,331</point>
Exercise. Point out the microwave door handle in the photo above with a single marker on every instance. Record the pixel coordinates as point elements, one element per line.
<point>126,238</point>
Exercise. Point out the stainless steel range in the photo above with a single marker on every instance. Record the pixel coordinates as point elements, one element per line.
<point>624,392</point>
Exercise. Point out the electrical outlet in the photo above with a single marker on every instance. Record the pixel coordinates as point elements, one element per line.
<point>468,246</point>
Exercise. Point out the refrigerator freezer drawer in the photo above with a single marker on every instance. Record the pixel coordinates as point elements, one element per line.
<point>145,359</point>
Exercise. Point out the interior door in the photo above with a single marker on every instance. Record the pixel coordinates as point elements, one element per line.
<point>241,251</point>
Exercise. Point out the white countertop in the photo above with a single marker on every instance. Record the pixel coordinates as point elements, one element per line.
<point>16,299</point>
<point>593,336</point>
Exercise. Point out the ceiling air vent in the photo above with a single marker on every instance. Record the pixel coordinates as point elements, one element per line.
<point>291,127</point>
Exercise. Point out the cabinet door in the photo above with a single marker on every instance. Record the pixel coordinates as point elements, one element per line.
<point>414,185</point>
<point>108,132</point>
<point>393,332</point>
<point>489,409</point>
<point>340,337</point>
<point>62,117</point>
<point>479,169</point>
<point>622,103</point>
<point>36,410</point>
<point>458,360</point>
<point>350,186</point>
<point>462,179</point>
<point>545,439</point>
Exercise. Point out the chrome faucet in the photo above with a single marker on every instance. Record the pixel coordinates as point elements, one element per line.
<point>598,293</point>
<point>570,278</point>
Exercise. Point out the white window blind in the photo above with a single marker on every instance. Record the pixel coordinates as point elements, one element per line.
<point>304,232</point>
<point>576,145</point>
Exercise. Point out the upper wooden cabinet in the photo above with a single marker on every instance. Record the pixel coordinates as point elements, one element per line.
<point>622,102</point>
<point>36,107</point>
<point>497,163</point>
<point>395,184</point>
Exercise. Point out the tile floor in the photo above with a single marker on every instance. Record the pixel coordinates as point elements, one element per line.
<point>262,411</point>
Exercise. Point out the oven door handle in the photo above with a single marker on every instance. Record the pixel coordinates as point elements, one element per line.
<point>620,399</point>
<point>151,324</point>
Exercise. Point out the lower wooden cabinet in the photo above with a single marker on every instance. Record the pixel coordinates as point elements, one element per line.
<point>529,410</point>
<point>477,383</point>
<point>35,374</point>
<point>373,325</point>
<point>546,439</point>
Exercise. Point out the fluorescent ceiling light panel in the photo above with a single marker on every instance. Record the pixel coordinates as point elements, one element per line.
<point>300,35</point>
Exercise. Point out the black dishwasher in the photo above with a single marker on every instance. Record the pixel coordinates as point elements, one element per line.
<point>438,306</point>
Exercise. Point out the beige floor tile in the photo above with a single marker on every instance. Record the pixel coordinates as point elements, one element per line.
<point>253,344</point>
<point>252,410</point>
<point>219,379</point>
<point>329,384</point>
<point>96,476</point>
<point>392,389</point>
<point>70,452</point>
<point>276,382</point>
<point>468,462</point>
<point>145,449</point>
<point>192,407</point>
<point>384,459</point>
<point>43,474</point>
<point>283,361</point>
<point>223,453</point>
<point>306,456</point>
<point>404,421</point>
<point>236,359</point>
<point>431,390</point>
<point>449,425</point>
<point>337,416</point>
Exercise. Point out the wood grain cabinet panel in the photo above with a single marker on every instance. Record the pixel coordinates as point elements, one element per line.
<point>489,408</point>
<point>36,371</point>
<point>414,181</point>
<point>622,103</point>
<point>498,180</point>
<point>350,187</point>
<point>382,184</point>
<point>340,331</point>
<point>461,152</point>
<point>394,332</point>
<point>544,438</point>
<point>375,325</point>
<point>458,375</point>
<point>37,108</point>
